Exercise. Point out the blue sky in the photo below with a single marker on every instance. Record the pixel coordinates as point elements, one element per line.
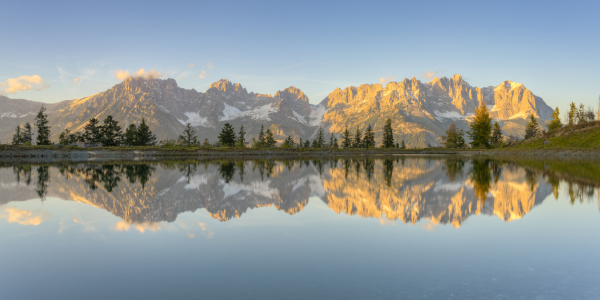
<point>76,47</point>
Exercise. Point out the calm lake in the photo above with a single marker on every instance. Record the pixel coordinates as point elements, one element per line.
<point>365,227</point>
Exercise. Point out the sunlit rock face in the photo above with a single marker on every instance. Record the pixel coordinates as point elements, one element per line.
<point>408,190</point>
<point>420,112</point>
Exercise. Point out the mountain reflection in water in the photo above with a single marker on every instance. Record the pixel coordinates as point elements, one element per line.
<point>442,190</point>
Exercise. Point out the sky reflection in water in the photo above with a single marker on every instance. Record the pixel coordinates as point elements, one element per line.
<point>361,227</point>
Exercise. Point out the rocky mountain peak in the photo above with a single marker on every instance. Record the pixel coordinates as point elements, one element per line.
<point>292,93</point>
<point>225,85</point>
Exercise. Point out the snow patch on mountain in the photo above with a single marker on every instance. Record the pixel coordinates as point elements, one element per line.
<point>229,112</point>
<point>316,115</point>
<point>448,115</point>
<point>299,117</point>
<point>194,119</point>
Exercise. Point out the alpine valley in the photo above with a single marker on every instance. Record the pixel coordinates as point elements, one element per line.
<point>420,112</point>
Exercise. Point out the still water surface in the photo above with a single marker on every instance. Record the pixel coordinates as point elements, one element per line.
<point>339,228</point>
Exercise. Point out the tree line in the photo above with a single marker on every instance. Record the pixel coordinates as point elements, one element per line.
<point>485,135</point>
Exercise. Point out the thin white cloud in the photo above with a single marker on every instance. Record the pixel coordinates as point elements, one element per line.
<point>202,75</point>
<point>429,74</point>
<point>23,83</point>
<point>384,79</point>
<point>76,80</point>
<point>121,75</point>
<point>151,74</point>
<point>23,217</point>
<point>210,66</point>
<point>292,66</point>
<point>191,65</point>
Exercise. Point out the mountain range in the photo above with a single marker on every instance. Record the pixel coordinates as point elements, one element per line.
<point>420,112</point>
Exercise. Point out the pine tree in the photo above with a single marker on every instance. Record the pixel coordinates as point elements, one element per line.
<point>261,142</point>
<point>227,136</point>
<point>335,143</point>
<point>269,139</point>
<point>331,140</point>
<point>188,137</point>
<point>66,137</point>
<point>532,128</point>
<point>130,137</point>
<point>454,137</point>
<point>205,144</point>
<point>144,136</point>
<point>555,123</point>
<point>26,134</point>
<point>241,140</point>
<point>92,132</point>
<point>300,143</point>
<point>369,138</point>
<point>403,145</point>
<point>289,142</point>
<point>572,115</point>
<point>315,143</point>
<point>346,140</point>
<point>388,134</point>
<point>307,143</point>
<point>320,138</point>
<point>496,134</point>
<point>481,128</point>
<point>17,137</point>
<point>41,122</point>
<point>357,138</point>
<point>111,132</point>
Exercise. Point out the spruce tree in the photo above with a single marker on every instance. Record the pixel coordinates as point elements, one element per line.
<point>269,139</point>
<point>555,123</point>
<point>66,138</point>
<point>403,145</point>
<point>206,144</point>
<point>496,134</point>
<point>111,132</point>
<point>532,128</point>
<point>17,137</point>
<point>357,138</point>
<point>388,134</point>
<point>289,142</point>
<point>481,128</point>
<point>227,136</point>
<point>261,137</point>
<point>241,140</point>
<point>144,136</point>
<point>315,143</point>
<point>454,137</point>
<point>92,132</point>
<point>300,143</point>
<point>369,138</point>
<point>188,137</point>
<point>26,134</point>
<point>41,122</point>
<point>307,143</point>
<point>346,140</point>
<point>320,138</point>
<point>130,137</point>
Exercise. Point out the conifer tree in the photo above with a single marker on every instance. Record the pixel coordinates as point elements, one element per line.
<point>454,137</point>
<point>315,143</point>
<point>269,139</point>
<point>144,136</point>
<point>481,128</point>
<point>300,143</point>
<point>227,136</point>
<point>403,145</point>
<point>320,138</point>
<point>188,137</point>
<point>388,134</point>
<point>17,137</point>
<point>66,138</point>
<point>261,142</point>
<point>205,144</point>
<point>357,138</point>
<point>532,128</point>
<point>369,138</point>
<point>26,134</point>
<point>572,115</point>
<point>555,123</point>
<point>130,136</point>
<point>289,142</point>
<point>307,143</point>
<point>92,132</point>
<point>41,122</point>
<point>346,140</point>
<point>111,132</point>
<point>581,119</point>
<point>496,134</point>
<point>241,140</point>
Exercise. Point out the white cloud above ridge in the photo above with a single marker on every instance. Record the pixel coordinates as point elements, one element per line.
<point>384,79</point>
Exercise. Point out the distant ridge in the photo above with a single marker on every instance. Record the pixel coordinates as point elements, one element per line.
<point>420,112</point>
